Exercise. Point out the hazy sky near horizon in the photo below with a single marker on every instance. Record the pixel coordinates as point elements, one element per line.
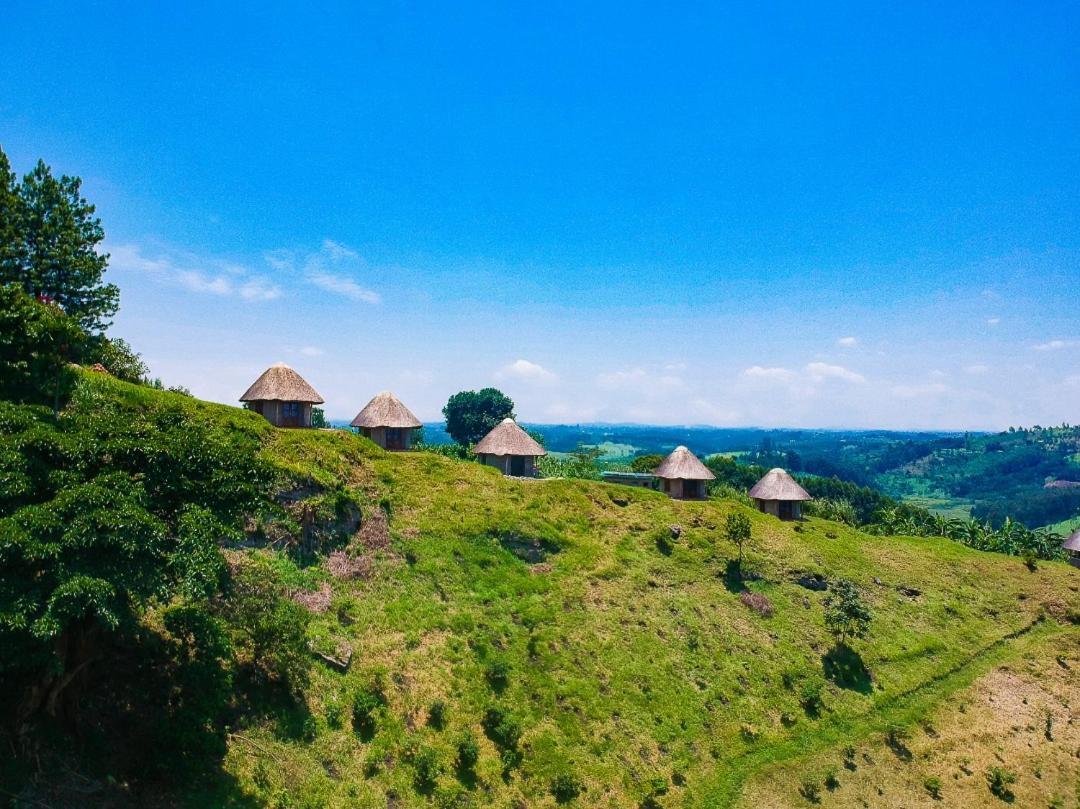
<point>786,215</point>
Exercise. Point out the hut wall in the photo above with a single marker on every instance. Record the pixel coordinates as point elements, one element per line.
<point>679,489</point>
<point>381,436</point>
<point>274,412</point>
<point>773,507</point>
<point>504,463</point>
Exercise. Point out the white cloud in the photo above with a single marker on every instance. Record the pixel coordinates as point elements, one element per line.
<point>640,380</point>
<point>992,321</point>
<point>978,369</point>
<point>847,342</point>
<point>342,285</point>
<point>775,374</point>
<point>1054,345</point>
<point>920,391</point>
<point>528,371</point>
<point>211,276</point>
<point>820,371</point>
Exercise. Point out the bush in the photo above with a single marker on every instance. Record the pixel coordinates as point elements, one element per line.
<point>366,704</point>
<point>757,602</point>
<point>810,697</point>
<point>437,714</point>
<point>831,781</point>
<point>811,791</point>
<point>498,674</point>
<point>999,780</point>
<point>932,785</point>
<point>565,787</point>
<point>468,752</point>
<point>502,728</point>
<point>428,768</point>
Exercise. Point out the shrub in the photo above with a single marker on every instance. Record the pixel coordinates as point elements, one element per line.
<point>437,714</point>
<point>749,732</point>
<point>811,791</point>
<point>428,768</point>
<point>999,780</point>
<point>846,614</point>
<point>565,787</point>
<point>366,703</point>
<point>334,712</point>
<point>757,602</point>
<point>810,697</point>
<point>498,674</point>
<point>831,781</point>
<point>932,785</point>
<point>502,728</point>
<point>468,752</point>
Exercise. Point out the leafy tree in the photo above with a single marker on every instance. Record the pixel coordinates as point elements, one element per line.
<point>12,246</point>
<point>646,463</point>
<point>470,415</point>
<point>51,250</point>
<point>36,341</point>
<point>117,357</point>
<point>846,614</point>
<point>737,531</point>
<point>318,418</point>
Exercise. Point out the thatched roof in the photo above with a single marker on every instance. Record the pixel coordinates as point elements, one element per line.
<point>683,464</point>
<point>282,384</point>
<point>508,439</point>
<point>385,410</point>
<point>778,485</point>
<point>1073,542</point>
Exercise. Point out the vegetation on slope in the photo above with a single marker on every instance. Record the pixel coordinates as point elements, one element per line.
<point>474,639</point>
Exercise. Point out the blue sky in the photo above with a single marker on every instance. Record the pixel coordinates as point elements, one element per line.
<point>784,215</point>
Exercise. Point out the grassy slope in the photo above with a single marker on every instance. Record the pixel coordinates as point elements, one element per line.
<point>629,666</point>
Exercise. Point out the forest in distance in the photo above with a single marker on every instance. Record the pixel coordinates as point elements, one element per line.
<point>1031,475</point>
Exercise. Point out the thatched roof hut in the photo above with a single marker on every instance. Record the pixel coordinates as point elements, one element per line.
<point>1072,547</point>
<point>779,494</point>
<point>683,475</point>
<point>282,396</point>
<point>509,448</point>
<point>387,422</point>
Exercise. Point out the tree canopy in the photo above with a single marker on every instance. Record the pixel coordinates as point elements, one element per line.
<point>472,414</point>
<point>48,245</point>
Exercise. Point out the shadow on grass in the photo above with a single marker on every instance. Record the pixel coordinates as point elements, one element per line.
<point>845,667</point>
<point>733,577</point>
<point>466,775</point>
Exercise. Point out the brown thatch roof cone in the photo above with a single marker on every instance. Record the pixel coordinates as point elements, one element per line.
<point>281,383</point>
<point>778,485</point>
<point>684,465</point>
<point>385,410</point>
<point>1073,542</point>
<point>508,439</point>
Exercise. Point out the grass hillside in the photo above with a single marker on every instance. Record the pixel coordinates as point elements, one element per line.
<point>588,644</point>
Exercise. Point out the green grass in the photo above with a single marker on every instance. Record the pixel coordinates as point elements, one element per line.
<point>627,660</point>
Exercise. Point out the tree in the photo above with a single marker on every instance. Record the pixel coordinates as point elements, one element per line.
<point>117,357</point>
<point>646,463</point>
<point>36,340</point>
<point>470,415</point>
<point>318,418</point>
<point>846,614</point>
<point>50,237</point>
<point>737,531</point>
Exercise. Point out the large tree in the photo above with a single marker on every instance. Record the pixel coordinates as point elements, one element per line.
<point>37,341</point>
<point>49,246</point>
<point>471,414</point>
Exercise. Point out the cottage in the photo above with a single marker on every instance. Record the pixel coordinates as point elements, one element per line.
<point>509,449</point>
<point>387,422</point>
<point>683,476</point>
<point>778,494</point>
<point>282,397</point>
<point>1072,547</point>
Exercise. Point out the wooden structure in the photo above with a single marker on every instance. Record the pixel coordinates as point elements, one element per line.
<point>778,494</point>
<point>282,397</point>
<point>387,422</point>
<point>509,449</point>
<point>1072,547</point>
<point>682,476</point>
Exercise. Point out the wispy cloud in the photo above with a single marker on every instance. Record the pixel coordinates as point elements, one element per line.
<point>993,321</point>
<point>761,372</point>
<point>1055,345</point>
<point>847,342</point>
<point>528,371</point>
<point>312,351</point>
<point>641,380</point>
<point>332,268</point>
<point>200,274</point>
<point>821,370</point>
<point>978,369</point>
